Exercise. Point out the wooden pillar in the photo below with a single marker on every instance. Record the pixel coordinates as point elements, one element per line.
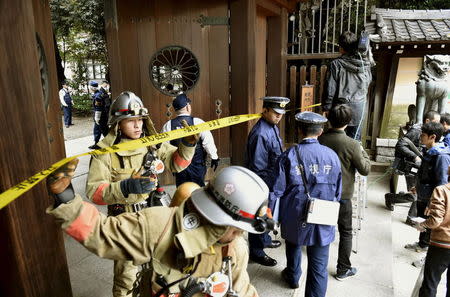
<point>243,71</point>
<point>112,41</point>
<point>276,59</point>
<point>31,245</point>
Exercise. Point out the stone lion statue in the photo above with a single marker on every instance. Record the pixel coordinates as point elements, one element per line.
<point>432,85</point>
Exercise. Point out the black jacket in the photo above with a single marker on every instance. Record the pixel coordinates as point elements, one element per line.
<point>402,149</point>
<point>348,80</point>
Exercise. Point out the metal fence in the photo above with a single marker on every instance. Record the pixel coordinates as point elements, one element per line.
<point>316,25</point>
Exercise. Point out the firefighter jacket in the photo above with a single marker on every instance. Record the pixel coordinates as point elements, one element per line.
<point>107,170</point>
<point>166,239</point>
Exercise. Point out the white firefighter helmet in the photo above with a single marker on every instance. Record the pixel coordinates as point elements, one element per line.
<point>235,197</point>
<point>126,105</point>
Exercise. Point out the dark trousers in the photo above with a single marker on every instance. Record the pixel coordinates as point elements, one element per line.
<point>97,133</point>
<point>67,115</point>
<point>411,182</point>
<point>345,236</point>
<point>424,237</point>
<point>317,273</point>
<point>104,124</point>
<point>257,243</point>
<point>437,261</point>
<point>408,197</point>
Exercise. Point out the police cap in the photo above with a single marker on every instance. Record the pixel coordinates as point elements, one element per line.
<point>93,83</point>
<point>308,117</point>
<point>180,101</point>
<point>278,104</point>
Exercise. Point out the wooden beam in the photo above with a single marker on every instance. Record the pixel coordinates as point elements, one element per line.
<point>269,8</point>
<point>312,56</point>
<point>243,70</point>
<point>389,95</point>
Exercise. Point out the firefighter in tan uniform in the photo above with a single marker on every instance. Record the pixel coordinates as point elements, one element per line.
<point>116,179</point>
<point>195,249</point>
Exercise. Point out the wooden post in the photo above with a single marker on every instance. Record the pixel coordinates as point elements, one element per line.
<point>31,245</point>
<point>243,71</point>
<point>276,62</point>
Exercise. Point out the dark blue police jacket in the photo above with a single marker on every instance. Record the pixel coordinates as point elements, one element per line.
<point>97,101</point>
<point>323,175</point>
<point>264,146</point>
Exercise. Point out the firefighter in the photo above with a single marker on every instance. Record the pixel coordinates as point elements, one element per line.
<point>123,180</point>
<point>195,249</point>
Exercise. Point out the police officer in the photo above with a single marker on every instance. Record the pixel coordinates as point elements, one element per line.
<point>67,103</point>
<point>323,180</point>
<point>196,171</point>
<point>98,107</point>
<point>196,247</point>
<point>264,146</point>
<point>119,179</point>
<point>106,101</point>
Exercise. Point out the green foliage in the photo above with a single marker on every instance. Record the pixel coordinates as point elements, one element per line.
<point>79,28</point>
<point>82,104</point>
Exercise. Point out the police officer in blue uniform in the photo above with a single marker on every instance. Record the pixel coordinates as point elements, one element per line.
<point>106,101</point>
<point>323,181</point>
<point>264,146</point>
<point>196,171</point>
<point>98,106</point>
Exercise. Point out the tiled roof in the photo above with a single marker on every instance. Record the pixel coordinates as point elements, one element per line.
<point>396,25</point>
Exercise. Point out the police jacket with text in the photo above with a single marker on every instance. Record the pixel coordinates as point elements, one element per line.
<point>324,181</point>
<point>264,146</point>
<point>433,171</point>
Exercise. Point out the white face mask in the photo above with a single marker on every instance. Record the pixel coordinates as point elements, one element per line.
<point>106,88</point>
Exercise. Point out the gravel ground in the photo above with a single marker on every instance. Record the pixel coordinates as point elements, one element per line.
<point>82,126</point>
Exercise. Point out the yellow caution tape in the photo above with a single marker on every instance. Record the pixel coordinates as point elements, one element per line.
<point>12,193</point>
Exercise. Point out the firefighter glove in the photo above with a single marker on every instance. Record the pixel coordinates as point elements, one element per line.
<point>137,185</point>
<point>191,139</point>
<point>59,183</point>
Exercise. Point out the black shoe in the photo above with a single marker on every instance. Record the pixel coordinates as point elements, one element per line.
<point>290,283</point>
<point>67,126</point>
<point>274,244</point>
<point>344,275</point>
<point>388,201</point>
<point>94,147</point>
<point>264,260</point>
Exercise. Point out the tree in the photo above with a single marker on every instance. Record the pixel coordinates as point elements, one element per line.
<point>79,29</point>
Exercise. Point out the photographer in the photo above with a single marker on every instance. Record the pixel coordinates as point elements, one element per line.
<point>404,152</point>
<point>348,82</point>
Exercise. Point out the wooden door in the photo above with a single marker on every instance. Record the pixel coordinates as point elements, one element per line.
<point>32,252</point>
<point>140,28</point>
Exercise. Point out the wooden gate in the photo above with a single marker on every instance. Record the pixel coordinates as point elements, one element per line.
<point>302,81</point>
